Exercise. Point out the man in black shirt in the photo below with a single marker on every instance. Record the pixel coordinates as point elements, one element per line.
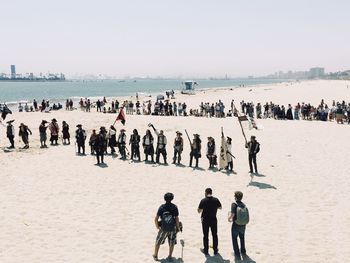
<point>253,148</point>
<point>208,207</point>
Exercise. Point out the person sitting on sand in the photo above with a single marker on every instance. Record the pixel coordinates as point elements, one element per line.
<point>168,226</point>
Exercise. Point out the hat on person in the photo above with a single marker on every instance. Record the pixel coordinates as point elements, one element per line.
<point>54,120</point>
<point>177,132</point>
<point>253,137</point>
<point>10,121</point>
<point>196,135</point>
<point>79,125</point>
<point>43,121</point>
<point>229,138</point>
<point>122,130</point>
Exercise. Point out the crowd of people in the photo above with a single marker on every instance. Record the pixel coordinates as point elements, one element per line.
<point>154,146</point>
<point>338,111</point>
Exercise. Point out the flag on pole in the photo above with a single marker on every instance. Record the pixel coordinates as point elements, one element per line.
<point>121,116</point>
<point>223,153</point>
<point>242,118</point>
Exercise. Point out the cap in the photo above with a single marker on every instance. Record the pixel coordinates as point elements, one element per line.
<point>79,125</point>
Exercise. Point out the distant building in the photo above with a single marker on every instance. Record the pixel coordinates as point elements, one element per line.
<point>13,71</point>
<point>316,73</point>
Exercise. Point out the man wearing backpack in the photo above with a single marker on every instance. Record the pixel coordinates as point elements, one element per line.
<point>239,217</point>
<point>168,226</point>
<point>253,148</point>
<point>208,207</point>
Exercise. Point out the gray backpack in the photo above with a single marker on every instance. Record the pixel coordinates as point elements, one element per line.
<point>242,215</point>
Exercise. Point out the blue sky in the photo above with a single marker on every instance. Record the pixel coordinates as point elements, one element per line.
<point>173,38</point>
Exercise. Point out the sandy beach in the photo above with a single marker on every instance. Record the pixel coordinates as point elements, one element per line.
<point>57,207</point>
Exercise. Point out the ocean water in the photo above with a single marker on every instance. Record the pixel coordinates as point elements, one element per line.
<point>14,92</point>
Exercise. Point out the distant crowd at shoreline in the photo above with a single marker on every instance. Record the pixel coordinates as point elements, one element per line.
<point>337,111</point>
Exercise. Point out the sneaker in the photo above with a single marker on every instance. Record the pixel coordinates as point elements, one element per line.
<point>204,252</point>
<point>170,259</point>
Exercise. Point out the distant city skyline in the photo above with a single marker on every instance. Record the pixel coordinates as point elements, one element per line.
<point>175,38</point>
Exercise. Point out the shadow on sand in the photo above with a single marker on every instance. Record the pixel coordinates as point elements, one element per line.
<point>102,165</point>
<point>174,260</point>
<point>245,259</point>
<point>216,259</point>
<point>261,185</point>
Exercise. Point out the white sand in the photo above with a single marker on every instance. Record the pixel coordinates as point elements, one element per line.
<point>59,207</point>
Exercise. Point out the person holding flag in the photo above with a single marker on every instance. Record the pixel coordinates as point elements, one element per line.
<point>223,162</point>
<point>229,154</point>
<point>161,145</point>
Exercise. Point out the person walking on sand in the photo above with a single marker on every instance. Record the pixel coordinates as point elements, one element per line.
<point>65,132</point>
<point>208,206</point>
<point>10,133</point>
<point>178,148</point>
<point>168,226</point>
<point>24,132</point>
<point>253,148</point>
<point>239,216</point>
<point>42,134</point>
<point>80,136</point>
<point>54,129</point>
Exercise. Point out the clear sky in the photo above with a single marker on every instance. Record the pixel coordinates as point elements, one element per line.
<point>174,37</point>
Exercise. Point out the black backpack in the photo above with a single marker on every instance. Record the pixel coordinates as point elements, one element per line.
<point>168,222</point>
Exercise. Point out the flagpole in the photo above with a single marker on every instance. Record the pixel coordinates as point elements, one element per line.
<point>245,138</point>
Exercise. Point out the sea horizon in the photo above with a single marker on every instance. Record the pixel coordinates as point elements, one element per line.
<point>13,92</point>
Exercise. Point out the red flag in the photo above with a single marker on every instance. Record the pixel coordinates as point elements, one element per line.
<point>121,116</point>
